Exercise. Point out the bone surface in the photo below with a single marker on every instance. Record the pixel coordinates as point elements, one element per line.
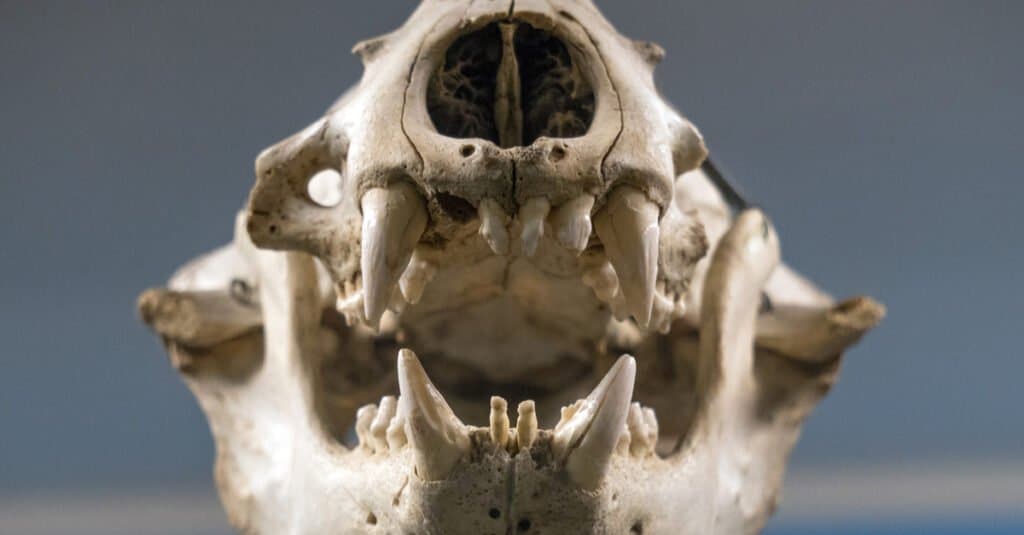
<point>502,211</point>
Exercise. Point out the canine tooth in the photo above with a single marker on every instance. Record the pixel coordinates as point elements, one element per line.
<point>532,216</point>
<point>438,438</point>
<point>396,433</point>
<point>588,439</point>
<point>364,419</point>
<point>526,424</point>
<point>628,228</point>
<point>571,223</point>
<point>393,221</point>
<point>415,278</point>
<point>603,281</point>
<point>499,421</point>
<point>493,225</point>
<point>379,427</point>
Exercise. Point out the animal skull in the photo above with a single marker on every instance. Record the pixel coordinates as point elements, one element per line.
<point>505,193</point>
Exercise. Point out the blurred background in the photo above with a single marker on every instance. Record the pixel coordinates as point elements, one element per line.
<point>883,137</point>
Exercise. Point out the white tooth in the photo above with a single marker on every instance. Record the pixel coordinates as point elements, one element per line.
<point>396,433</point>
<point>639,437</point>
<point>571,223</point>
<point>661,314</point>
<point>651,419</point>
<point>589,437</point>
<point>526,424</point>
<point>494,225</point>
<point>532,216</point>
<point>603,281</point>
<point>499,421</point>
<point>351,307</point>
<point>438,438</point>
<point>364,419</point>
<point>379,427</point>
<point>628,228</point>
<point>393,221</point>
<point>415,278</point>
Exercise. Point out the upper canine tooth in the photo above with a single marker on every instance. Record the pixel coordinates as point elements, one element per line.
<point>499,421</point>
<point>415,278</point>
<point>439,439</point>
<point>628,228</point>
<point>571,223</point>
<point>394,218</point>
<point>493,225</point>
<point>589,437</point>
<point>532,216</point>
<point>526,424</point>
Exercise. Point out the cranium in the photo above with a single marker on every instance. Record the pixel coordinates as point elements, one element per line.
<point>506,194</point>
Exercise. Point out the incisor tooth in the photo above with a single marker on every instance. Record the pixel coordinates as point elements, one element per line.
<point>379,427</point>
<point>499,421</point>
<point>588,439</point>
<point>396,433</point>
<point>532,216</point>
<point>364,419</point>
<point>393,221</point>
<point>639,439</point>
<point>628,228</point>
<point>439,439</point>
<point>415,278</point>
<point>493,225</point>
<point>526,424</point>
<point>571,223</point>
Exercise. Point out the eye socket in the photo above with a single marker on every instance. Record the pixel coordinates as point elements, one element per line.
<point>324,188</point>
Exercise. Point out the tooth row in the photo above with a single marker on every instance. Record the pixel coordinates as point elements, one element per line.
<point>588,434</point>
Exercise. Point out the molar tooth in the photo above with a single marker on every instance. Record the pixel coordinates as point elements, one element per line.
<point>499,421</point>
<point>571,223</point>
<point>526,424</point>
<point>628,228</point>
<point>415,278</point>
<point>493,225</point>
<point>587,440</point>
<point>438,437</point>
<point>603,281</point>
<point>379,427</point>
<point>394,218</point>
<point>532,216</point>
<point>364,419</point>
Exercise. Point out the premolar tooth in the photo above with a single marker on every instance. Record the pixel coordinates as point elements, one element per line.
<point>571,223</point>
<point>628,228</point>
<point>493,225</point>
<point>437,436</point>
<point>603,281</point>
<point>364,419</point>
<point>393,221</point>
<point>499,421</point>
<point>587,440</point>
<point>532,216</point>
<point>526,424</point>
<point>415,278</point>
<point>379,427</point>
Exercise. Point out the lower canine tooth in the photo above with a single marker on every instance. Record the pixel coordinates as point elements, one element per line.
<point>571,223</point>
<point>439,439</point>
<point>493,226</point>
<point>628,228</point>
<point>532,216</point>
<point>589,437</point>
<point>499,421</point>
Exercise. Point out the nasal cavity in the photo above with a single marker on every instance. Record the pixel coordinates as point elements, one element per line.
<point>510,83</point>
